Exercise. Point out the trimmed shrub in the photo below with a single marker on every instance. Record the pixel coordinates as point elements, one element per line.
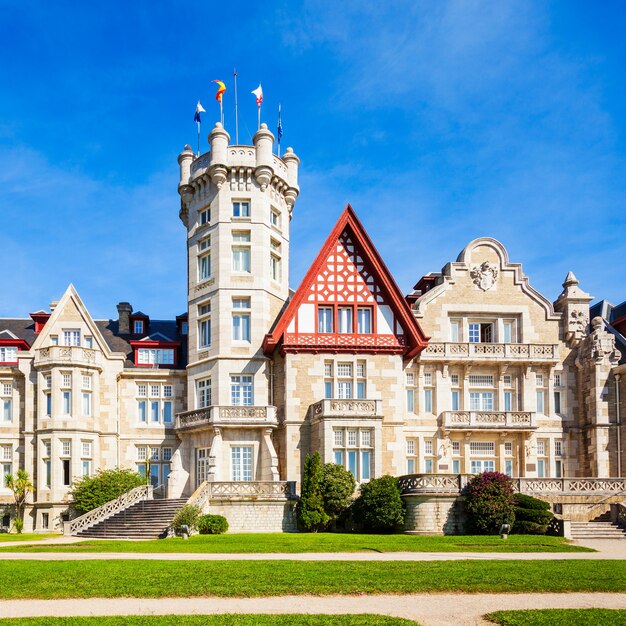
<point>489,502</point>
<point>379,506</point>
<point>187,516</point>
<point>212,524</point>
<point>532,516</point>
<point>310,511</point>
<point>90,492</point>
<point>337,488</point>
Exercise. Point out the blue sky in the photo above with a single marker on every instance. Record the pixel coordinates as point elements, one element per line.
<point>438,121</point>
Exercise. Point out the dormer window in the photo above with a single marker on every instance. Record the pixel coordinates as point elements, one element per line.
<point>8,354</point>
<point>138,327</point>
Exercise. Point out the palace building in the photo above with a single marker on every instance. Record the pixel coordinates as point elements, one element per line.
<point>473,371</point>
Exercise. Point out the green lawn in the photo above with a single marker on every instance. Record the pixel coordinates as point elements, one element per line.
<point>25,536</point>
<point>560,617</point>
<point>318,542</point>
<point>214,620</point>
<point>232,578</point>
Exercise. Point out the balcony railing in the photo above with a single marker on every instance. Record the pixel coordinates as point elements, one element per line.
<point>489,420</point>
<point>227,415</point>
<point>68,355</point>
<point>347,408</point>
<point>453,484</point>
<point>451,351</point>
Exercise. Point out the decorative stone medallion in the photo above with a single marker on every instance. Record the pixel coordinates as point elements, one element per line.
<point>484,275</point>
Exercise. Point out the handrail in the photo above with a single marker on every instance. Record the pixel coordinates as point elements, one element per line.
<point>108,509</point>
<point>234,489</point>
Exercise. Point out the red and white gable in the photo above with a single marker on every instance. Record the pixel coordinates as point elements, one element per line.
<point>348,301</point>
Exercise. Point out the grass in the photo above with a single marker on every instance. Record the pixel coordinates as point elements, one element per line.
<point>214,620</point>
<point>317,542</point>
<point>559,617</point>
<point>232,578</point>
<point>25,536</point>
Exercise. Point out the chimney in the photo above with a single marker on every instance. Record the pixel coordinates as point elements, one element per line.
<point>124,309</point>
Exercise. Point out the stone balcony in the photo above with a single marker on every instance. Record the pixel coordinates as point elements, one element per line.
<point>488,420</point>
<point>68,355</point>
<point>347,408</point>
<point>225,416</point>
<point>486,352</point>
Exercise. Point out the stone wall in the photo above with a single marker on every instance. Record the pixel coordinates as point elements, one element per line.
<point>434,515</point>
<point>255,516</point>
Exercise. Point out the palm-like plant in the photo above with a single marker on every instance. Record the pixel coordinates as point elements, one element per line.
<point>21,486</point>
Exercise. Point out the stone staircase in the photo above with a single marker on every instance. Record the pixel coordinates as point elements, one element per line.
<point>599,528</point>
<point>148,519</point>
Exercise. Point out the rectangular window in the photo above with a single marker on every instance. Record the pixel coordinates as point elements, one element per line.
<point>86,449</point>
<point>328,369</point>
<point>344,319</point>
<point>344,390</point>
<point>540,404</point>
<point>241,319</point>
<point>8,355</point>
<point>167,454</point>
<point>275,267</point>
<point>142,411</point>
<point>539,380</point>
<point>67,380</point>
<point>67,402</point>
<point>410,466</point>
<point>167,412</point>
<point>325,319</point>
<point>241,254</point>
<point>155,356</point>
<point>141,453</point>
<point>366,438</point>
<point>360,369</point>
<point>204,244</point>
<point>45,521</point>
<point>204,217</point>
<point>86,402</point>
<point>48,469</point>
<point>366,456</point>
<point>558,469</point>
<point>87,382</point>
<point>454,330</point>
<point>352,459</point>
<point>454,378</point>
<point>48,404</point>
<point>410,400</point>
<point>428,378</point>
<point>455,400</point>
<point>339,438</point>
<point>154,411</point>
<point>89,342</point>
<point>428,446</point>
<point>204,266</point>
<point>456,447</point>
<point>142,390</point>
<point>241,460</point>
<point>428,400</point>
<point>241,391</point>
<point>508,448</point>
<point>508,467</point>
<point>541,468</point>
<point>507,332</point>
<point>482,447</point>
<point>481,380</point>
<point>558,447</point>
<point>154,391</point>
<point>86,467</point>
<point>360,390</point>
<point>456,466</point>
<point>54,340</point>
<point>481,401</point>
<point>344,370</point>
<point>204,333</point>
<point>47,448</point>
<point>241,209</point>
<point>410,379</point>
<point>71,337</point>
<point>274,218</point>
<point>364,320</point>
<point>557,401</point>
<point>428,466</point>
<point>328,389</point>
<point>410,447</point>
<point>7,453</point>
<point>203,389</point>
<point>557,380</point>
<point>352,438</point>
<point>67,474</point>
<point>7,410</point>
<point>541,448</point>
<point>508,401</point>
<point>138,327</point>
<point>474,333</point>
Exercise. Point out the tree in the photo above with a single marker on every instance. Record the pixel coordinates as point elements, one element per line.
<point>310,511</point>
<point>379,506</point>
<point>489,502</point>
<point>90,492</point>
<point>337,487</point>
<point>21,486</point>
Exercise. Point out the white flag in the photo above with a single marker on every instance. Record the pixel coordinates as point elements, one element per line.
<point>200,108</point>
<point>258,92</point>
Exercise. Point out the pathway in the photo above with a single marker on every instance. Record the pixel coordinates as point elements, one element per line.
<point>426,609</point>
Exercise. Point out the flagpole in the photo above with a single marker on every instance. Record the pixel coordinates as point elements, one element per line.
<point>279,130</point>
<point>259,116</point>
<point>221,112</point>
<point>198,138</point>
<point>236,111</point>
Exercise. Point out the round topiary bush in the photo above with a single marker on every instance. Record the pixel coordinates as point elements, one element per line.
<point>489,502</point>
<point>379,507</point>
<point>337,488</point>
<point>212,524</point>
<point>532,515</point>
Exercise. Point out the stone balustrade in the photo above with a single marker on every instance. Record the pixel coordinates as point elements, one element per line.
<point>488,420</point>
<point>454,351</point>
<point>68,355</point>
<point>451,484</point>
<point>227,415</point>
<point>346,408</point>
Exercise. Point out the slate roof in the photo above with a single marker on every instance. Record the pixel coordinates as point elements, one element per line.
<point>25,329</point>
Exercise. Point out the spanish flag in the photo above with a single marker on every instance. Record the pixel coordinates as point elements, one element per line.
<point>221,88</point>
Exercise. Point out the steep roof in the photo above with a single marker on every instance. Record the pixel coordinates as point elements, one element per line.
<point>376,285</point>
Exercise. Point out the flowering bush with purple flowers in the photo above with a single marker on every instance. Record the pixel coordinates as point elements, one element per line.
<point>489,502</point>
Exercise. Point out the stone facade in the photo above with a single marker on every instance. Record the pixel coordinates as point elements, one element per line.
<point>472,371</point>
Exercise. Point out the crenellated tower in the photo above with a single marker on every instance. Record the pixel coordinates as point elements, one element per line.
<point>236,203</point>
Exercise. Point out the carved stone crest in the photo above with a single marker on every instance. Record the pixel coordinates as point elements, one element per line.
<point>484,275</point>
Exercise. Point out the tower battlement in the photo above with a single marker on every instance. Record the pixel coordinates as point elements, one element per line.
<point>238,166</point>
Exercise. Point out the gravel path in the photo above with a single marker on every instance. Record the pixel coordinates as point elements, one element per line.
<point>426,609</point>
